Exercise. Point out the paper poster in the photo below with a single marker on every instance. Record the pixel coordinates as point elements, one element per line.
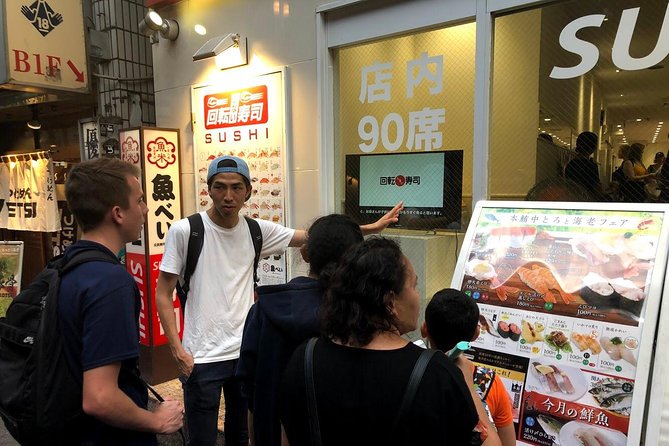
<point>245,120</point>
<point>11,265</point>
<point>584,264</point>
<point>562,295</point>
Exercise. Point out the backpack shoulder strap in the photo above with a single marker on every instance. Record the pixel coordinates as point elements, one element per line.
<point>312,409</point>
<point>256,237</point>
<point>414,382</point>
<point>88,255</point>
<point>160,399</point>
<point>195,242</point>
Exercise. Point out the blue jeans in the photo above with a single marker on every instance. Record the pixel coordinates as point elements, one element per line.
<point>202,396</point>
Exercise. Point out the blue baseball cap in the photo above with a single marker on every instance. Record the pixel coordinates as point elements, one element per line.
<point>228,164</point>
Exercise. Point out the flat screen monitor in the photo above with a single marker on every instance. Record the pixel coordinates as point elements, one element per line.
<point>429,183</point>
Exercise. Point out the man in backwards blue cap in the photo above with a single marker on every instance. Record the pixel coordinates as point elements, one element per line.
<point>220,296</point>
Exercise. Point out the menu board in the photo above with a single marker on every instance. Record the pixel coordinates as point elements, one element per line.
<point>246,119</point>
<point>564,296</point>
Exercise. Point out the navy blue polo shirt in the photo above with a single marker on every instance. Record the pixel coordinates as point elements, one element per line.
<point>99,306</point>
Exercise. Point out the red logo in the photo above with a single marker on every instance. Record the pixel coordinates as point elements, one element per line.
<point>236,108</point>
<point>161,152</point>
<point>400,180</point>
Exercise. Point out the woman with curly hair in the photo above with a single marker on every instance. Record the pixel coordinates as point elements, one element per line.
<point>362,364</point>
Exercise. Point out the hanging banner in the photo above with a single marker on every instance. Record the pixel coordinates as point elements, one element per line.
<point>28,194</point>
<point>568,302</point>
<point>11,265</point>
<point>246,120</point>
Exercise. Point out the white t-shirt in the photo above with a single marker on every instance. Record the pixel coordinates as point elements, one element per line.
<point>221,287</point>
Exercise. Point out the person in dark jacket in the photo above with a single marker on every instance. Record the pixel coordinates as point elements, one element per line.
<point>582,169</point>
<point>285,316</point>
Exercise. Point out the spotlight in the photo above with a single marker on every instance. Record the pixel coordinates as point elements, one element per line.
<point>153,23</point>
<point>229,51</point>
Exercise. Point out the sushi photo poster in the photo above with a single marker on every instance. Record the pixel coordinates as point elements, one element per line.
<point>569,296</point>
<point>244,117</point>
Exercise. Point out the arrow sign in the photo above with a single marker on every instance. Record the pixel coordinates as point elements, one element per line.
<point>79,75</point>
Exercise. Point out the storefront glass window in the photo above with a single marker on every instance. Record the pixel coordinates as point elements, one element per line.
<point>404,126</point>
<point>571,67</point>
<point>404,115</point>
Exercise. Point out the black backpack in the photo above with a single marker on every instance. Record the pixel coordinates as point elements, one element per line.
<point>40,399</point>
<point>195,242</point>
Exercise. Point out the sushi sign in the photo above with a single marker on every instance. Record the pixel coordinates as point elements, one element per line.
<point>620,52</point>
<point>570,298</point>
<point>245,118</point>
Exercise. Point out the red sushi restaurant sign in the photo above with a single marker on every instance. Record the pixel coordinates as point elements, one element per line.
<point>247,106</point>
<point>563,297</point>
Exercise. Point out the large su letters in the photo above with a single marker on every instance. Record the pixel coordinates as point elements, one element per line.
<point>619,53</point>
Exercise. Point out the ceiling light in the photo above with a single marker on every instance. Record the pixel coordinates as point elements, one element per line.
<point>229,51</point>
<point>34,123</point>
<point>617,71</point>
<point>621,95</point>
<point>547,119</point>
<point>200,29</point>
<point>619,125</point>
<point>638,119</point>
<point>153,23</point>
<point>661,122</point>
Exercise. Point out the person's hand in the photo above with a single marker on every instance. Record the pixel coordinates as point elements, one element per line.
<point>170,415</point>
<point>392,216</point>
<point>184,362</point>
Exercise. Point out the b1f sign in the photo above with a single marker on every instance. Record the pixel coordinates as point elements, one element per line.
<point>45,44</point>
<point>620,52</point>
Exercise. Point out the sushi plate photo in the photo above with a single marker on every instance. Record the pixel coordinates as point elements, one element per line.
<point>581,434</point>
<point>564,382</point>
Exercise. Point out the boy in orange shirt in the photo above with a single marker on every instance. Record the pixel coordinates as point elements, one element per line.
<point>451,317</point>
